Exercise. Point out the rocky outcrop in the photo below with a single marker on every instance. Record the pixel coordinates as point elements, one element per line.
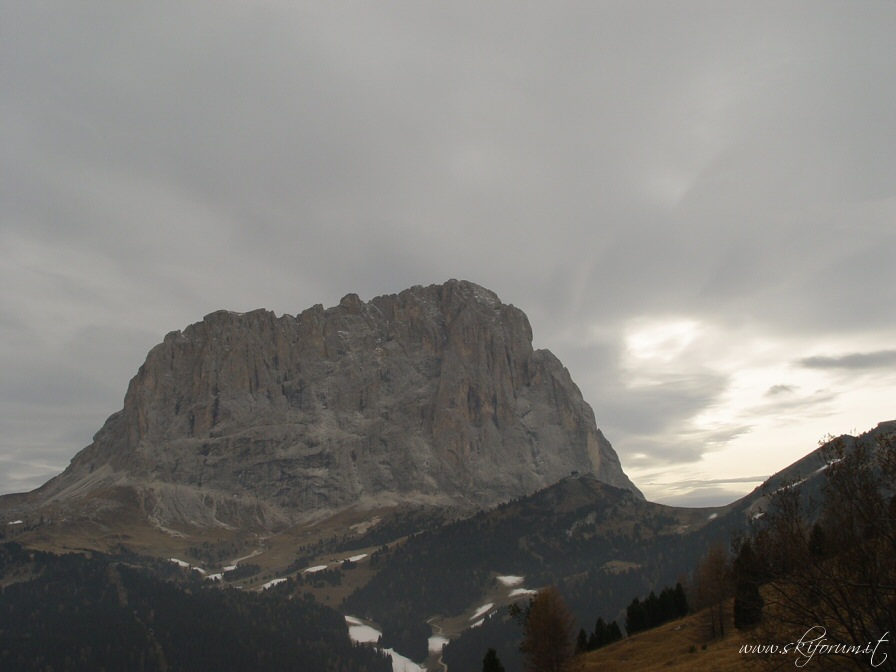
<point>432,395</point>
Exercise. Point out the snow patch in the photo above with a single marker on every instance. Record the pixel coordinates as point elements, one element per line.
<point>519,592</point>
<point>214,577</point>
<point>16,522</point>
<point>482,611</point>
<point>316,568</point>
<point>790,485</point>
<point>713,516</point>
<point>402,664</point>
<point>271,584</point>
<point>187,565</point>
<point>510,581</point>
<point>357,558</point>
<point>361,633</point>
<point>834,461</point>
<point>436,642</point>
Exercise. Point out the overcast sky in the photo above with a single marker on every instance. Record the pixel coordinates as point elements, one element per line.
<point>694,203</point>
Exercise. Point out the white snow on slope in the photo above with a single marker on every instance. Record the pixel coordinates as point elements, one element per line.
<point>273,583</point>
<point>436,642</point>
<point>482,611</point>
<point>187,565</point>
<point>402,664</point>
<point>316,568</point>
<point>360,633</point>
<point>510,581</point>
<point>519,592</point>
<point>356,558</point>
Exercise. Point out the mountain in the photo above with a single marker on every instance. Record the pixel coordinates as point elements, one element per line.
<point>433,396</point>
<point>411,461</point>
<point>601,546</point>
<point>808,472</point>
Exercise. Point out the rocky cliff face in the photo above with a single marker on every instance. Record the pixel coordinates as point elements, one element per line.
<point>432,395</point>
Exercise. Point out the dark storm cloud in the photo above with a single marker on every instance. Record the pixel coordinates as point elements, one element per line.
<point>592,164</point>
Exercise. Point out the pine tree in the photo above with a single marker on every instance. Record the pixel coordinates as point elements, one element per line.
<point>582,642</point>
<point>491,662</point>
<point>681,601</point>
<point>599,636</point>
<point>614,634</point>
<point>635,617</point>
<point>748,602</point>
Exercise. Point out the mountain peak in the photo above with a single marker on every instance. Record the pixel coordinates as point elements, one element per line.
<point>434,395</point>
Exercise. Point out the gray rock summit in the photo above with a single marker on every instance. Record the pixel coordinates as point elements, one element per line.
<point>431,396</point>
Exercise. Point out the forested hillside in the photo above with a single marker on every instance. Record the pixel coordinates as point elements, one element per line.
<point>73,613</point>
<point>599,544</point>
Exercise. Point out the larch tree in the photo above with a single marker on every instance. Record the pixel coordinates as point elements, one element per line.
<point>713,581</point>
<point>549,633</point>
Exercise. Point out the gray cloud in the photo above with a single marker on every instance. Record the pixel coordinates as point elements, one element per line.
<point>591,164</point>
<point>680,444</point>
<point>790,402</point>
<point>856,360</point>
<point>655,410</point>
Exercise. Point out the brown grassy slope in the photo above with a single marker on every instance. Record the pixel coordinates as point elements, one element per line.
<point>668,648</point>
